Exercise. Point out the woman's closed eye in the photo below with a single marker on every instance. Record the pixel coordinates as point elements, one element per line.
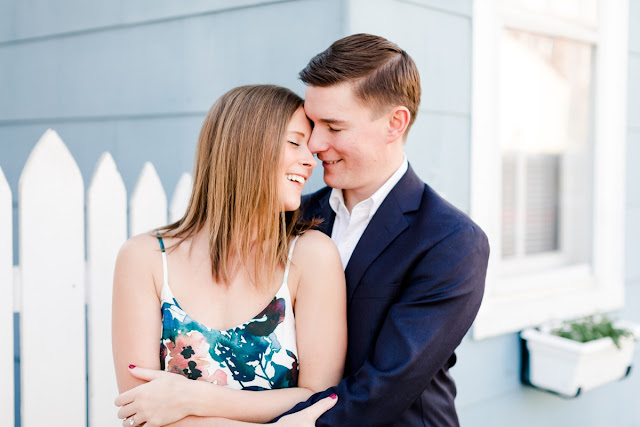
<point>294,143</point>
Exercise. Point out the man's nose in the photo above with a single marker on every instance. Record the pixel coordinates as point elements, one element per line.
<point>317,143</point>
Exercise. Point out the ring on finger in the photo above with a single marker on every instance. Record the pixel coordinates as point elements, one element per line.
<point>131,422</point>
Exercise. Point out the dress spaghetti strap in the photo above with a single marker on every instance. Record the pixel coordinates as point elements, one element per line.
<point>164,262</point>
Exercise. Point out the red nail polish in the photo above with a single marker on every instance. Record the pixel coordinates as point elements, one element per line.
<point>132,366</point>
<point>333,396</point>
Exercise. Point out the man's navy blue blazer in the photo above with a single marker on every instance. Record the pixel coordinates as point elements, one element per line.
<point>415,281</point>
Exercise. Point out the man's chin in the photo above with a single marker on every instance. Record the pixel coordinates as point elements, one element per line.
<point>331,180</point>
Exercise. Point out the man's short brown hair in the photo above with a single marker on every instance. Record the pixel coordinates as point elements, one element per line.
<point>382,74</point>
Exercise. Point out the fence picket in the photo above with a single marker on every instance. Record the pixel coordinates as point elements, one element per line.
<point>148,205</point>
<point>106,232</point>
<point>6,302</point>
<point>51,246</point>
<point>180,198</point>
<point>50,289</point>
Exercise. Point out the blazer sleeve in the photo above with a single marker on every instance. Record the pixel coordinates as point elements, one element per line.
<point>436,308</point>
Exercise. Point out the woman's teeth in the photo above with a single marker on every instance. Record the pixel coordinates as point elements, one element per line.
<point>296,178</point>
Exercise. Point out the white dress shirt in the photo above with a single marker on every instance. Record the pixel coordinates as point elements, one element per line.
<point>348,227</point>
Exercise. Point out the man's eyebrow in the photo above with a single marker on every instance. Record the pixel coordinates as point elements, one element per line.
<point>333,121</point>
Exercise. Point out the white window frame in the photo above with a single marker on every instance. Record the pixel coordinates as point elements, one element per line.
<point>513,302</point>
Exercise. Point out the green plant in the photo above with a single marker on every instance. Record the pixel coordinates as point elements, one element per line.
<point>591,328</point>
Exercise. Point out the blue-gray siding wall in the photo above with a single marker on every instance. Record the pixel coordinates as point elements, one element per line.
<point>437,35</point>
<point>136,79</point>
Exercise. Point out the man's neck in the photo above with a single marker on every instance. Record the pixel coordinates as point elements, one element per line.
<point>353,197</point>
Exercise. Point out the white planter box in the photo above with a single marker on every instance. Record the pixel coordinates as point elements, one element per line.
<point>568,367</point>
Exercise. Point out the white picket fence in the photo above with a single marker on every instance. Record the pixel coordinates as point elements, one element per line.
<point>54,283</point>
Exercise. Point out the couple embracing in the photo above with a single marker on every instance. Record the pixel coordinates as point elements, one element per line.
<point>363,289</point>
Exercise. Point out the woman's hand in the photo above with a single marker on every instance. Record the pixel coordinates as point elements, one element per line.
<point>162,400</point>
<point>308,416</point>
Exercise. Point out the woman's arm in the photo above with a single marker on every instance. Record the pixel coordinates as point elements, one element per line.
<point>136,321</point>
<point>320,313</point>
<point>168,397</point>
<point>304,418</point>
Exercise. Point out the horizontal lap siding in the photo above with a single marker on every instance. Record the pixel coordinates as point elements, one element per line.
<point>140,88</point>
<point>437,35</point>
<point>167,68</point>
<point>29,19</point>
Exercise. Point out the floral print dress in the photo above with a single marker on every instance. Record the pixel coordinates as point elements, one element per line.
<point>260,354</point>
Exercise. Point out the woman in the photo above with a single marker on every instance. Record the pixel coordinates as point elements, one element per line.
<point>236,247</point>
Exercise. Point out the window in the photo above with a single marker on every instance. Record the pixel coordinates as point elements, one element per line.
<point>548,135</point>
<point>544,132</point>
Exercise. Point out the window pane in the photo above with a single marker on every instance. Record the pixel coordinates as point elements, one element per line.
<point>509,202</point>
<point>545,138</point>
<point>581,12</point>
<point>542,189</point>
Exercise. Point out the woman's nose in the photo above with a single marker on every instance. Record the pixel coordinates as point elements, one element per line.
<point>309,160</point>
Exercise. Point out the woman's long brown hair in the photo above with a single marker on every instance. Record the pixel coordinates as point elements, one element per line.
<point>235,186</point>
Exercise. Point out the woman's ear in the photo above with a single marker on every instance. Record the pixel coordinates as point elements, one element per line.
<point>399,118</point>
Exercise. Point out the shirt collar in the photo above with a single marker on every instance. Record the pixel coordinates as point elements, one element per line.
<point>336,200</point>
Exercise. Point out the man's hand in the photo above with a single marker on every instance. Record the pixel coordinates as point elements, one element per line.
<point>308,416</point>
<point>162,400</point>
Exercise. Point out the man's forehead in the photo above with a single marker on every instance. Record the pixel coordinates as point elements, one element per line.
<point>330,104</point>
<point>326,116</point>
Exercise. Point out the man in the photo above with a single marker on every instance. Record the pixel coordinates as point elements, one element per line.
<point>415,265</point>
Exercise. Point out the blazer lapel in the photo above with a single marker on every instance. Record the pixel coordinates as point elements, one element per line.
<point>317,206</point>
<point>387,223</point>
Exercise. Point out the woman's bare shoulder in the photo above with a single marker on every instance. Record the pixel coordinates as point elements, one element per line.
<point>314,242</point>
<point>140,252</point>
<point>315,250</point>
<point>140,246</point>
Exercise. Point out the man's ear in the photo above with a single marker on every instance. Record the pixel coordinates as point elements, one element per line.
<point>399,118</point>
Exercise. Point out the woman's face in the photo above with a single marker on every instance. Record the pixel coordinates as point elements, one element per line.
<point>296,162</point>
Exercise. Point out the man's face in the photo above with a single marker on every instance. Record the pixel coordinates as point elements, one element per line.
<point>349,140</point>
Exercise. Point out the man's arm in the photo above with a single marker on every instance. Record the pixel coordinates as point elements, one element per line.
<point>420,333</point>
